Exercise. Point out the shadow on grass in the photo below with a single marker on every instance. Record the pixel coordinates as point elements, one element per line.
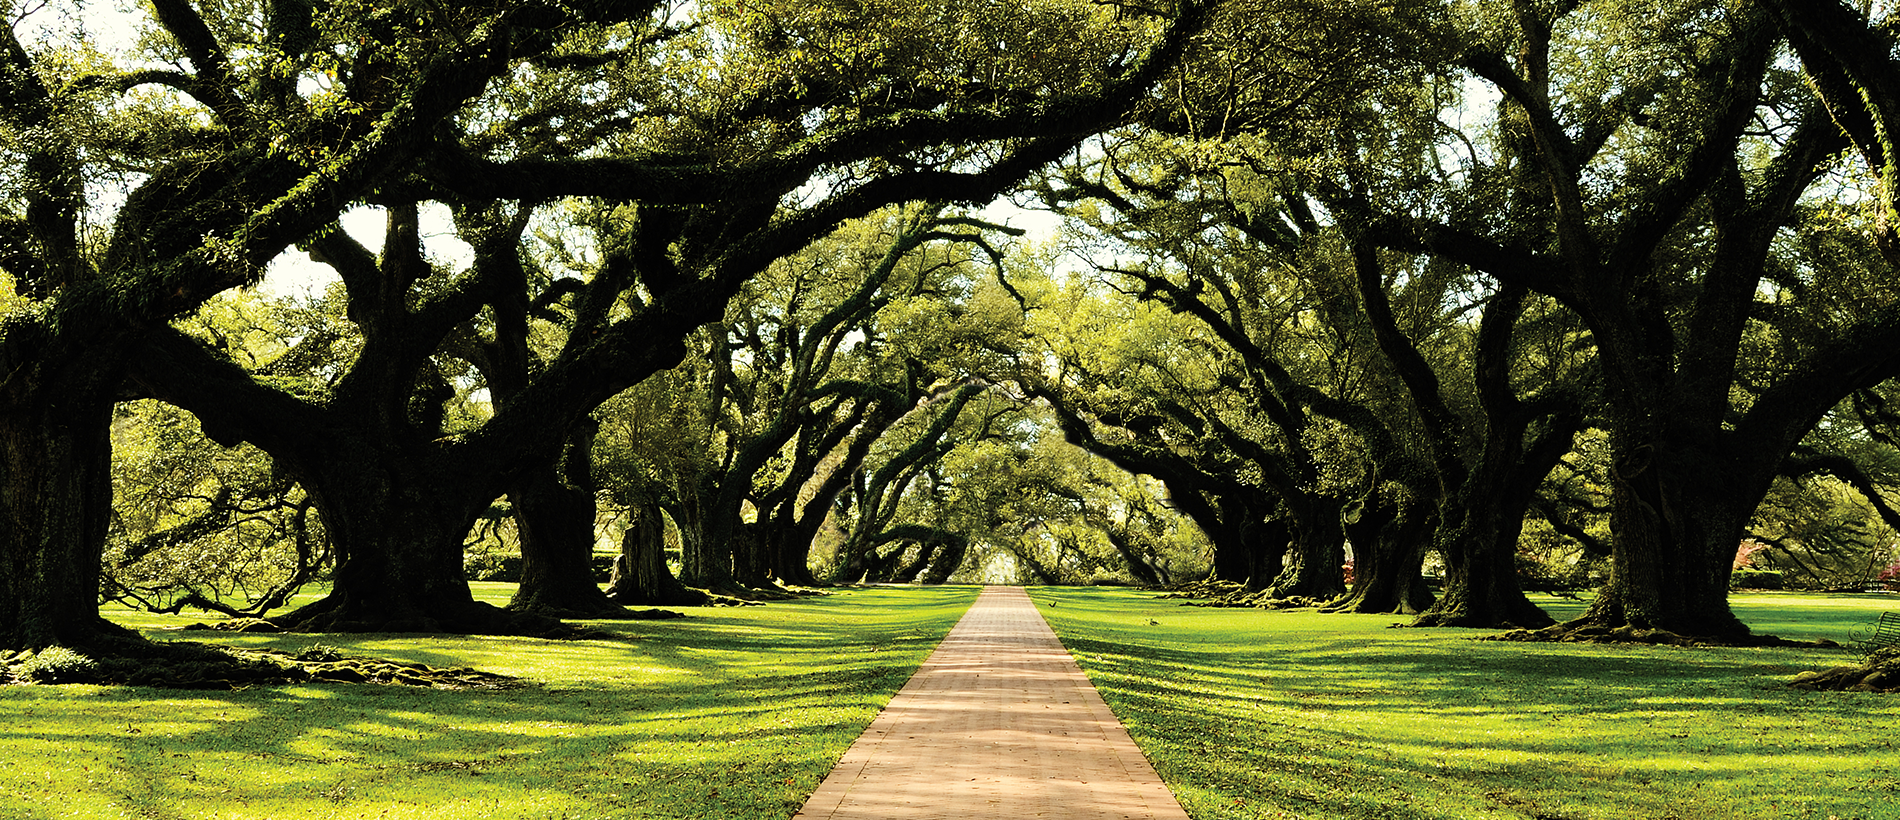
<point>1263,714</point>
<point>736,714</point>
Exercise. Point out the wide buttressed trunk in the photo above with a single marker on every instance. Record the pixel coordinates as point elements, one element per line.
<point>1479,546</point>
<point>1316,557</point>
<point>1481,583</point>
<point>641,576</point>
<point>56,500</point>
<point>554,512</point>
<point>556,526</point>
<point>790,548</point>
<point>704,562</point>
<point>1388,553</point>
<point>398,530</point>
<point>1677,514</point>
<point>1261,553</point>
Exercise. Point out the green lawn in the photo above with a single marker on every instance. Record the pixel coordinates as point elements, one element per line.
<point>738,713</point>
<point>733,713</point>
<point>1254,714</point>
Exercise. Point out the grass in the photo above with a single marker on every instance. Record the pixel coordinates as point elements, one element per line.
<point>738,713</point>
<point>1252,714</point>
<point>731,713</point>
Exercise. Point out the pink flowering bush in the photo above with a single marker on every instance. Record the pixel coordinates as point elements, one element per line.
<point>1890,577</point>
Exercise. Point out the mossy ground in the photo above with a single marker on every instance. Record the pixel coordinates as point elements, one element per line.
<point>730,713</point>
<point>1296,714</point>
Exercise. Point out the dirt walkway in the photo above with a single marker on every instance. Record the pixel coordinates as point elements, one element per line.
<point>999,722</point>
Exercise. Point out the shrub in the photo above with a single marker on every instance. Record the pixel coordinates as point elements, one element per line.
<point>1755,579</point>
<point>602,565</point>
<point>493,566</point>
<point>57,664</point>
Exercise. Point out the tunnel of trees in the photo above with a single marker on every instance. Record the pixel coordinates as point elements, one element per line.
<point>1376,307</point>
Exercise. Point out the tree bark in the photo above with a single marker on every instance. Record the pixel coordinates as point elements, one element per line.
<point>399,528</point>
<point>908,573</point>
<point>55,498</point>
<point>1316,556</point>
<point>640,573</point>
<point>554,514</point>
<point>948,560</point>
<point>1676,513</point>
<point>703,563</point>
<point>1388,552</point>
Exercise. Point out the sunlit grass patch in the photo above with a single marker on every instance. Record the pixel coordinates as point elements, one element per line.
<point>1253,714</point>
<point>729,713</point>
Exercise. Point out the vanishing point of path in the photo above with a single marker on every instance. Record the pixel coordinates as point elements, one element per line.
<point>1001,723</point>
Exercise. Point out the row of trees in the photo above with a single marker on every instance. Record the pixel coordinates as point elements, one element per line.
<point>1672,231</point>
<point>1404,276</point>
<point>694,151</point>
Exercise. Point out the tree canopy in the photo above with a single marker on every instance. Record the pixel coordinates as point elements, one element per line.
<point>1370,306</point>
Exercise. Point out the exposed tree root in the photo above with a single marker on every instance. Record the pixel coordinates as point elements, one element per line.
<point>682,596</point>
<point>1520,615</point>
<point>1586,631</point>
<point>340,614</point>
<point>190,665</point>
<point>1880,672</point>
<point>604,613</point>
<point>1196,590</point>
<point>1233,595</point>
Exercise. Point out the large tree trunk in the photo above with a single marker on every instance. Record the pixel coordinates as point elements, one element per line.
<point>640,573</point>
<point>554,513</point>
<point>1481,584</point>
<point>1482,523</point>
<point>751,555</point>
<point>790,548</point>
<point>949,559</point>
<point>1262,549</point>
<point>704,562</point>
<point>55,501</point>
<point>1139,567</point>
<point>398,530</point>
<point>1315,566</point>
<point>556,525</point>
<point>1388,551</point>
<point>1677,513</point>
<point>915,566</point>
